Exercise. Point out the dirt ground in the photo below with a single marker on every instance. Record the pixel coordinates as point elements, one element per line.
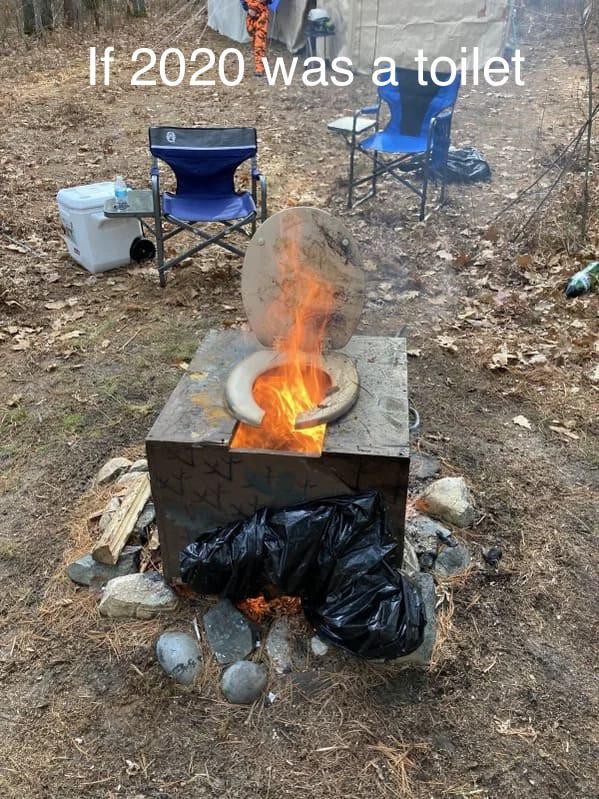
<point>509,709</point>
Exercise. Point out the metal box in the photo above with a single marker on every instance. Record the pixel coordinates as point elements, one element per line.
<point>198,483</point>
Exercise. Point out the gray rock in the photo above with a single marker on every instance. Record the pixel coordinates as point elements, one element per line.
<point>228,632</point>
<point>318,646</point>
<point>424,533</point>
<point>140,465</point>
<point>410,559</point>
<point>452,561</point>
<point>111,470</point>
<point>244,682</point>
<point>423,466</point>
<point>450,500</point>
<point>179,656</point>
<point>422,655</point>
<point>85,569</point>
<point>146,517</point>
<point>109,511</point>
<point>137,596</point>
<point>278,646</point>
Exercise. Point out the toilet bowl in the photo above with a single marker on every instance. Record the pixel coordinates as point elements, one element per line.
<point>275,255</point>
<point>339,399</point>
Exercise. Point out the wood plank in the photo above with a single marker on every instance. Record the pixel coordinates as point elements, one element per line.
<point>111,542</point>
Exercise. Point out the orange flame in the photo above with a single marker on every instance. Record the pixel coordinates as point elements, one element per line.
<point>260,608</point>
<point>304,308</point>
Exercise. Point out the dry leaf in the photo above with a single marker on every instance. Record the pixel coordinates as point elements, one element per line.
<point>564,431</point>
<point>447,343</point>
<point>499,360</point>
<point>522,421</point>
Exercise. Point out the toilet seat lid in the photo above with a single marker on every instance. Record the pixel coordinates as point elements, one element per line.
<point>284,245</point>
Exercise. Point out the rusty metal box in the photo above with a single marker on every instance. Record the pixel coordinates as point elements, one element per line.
<point>199,484</point>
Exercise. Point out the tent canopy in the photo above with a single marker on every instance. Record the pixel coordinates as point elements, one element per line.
<point>369,29</point>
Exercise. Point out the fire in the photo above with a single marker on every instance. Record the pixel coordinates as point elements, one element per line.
<point>260,608</point>
<point>303,309</point>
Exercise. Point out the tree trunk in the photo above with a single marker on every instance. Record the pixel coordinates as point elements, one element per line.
<point>137,8</point>
<point>72,12</point>
<point>37,15</point>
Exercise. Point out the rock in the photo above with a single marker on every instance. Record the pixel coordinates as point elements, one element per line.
<point>410,559</point>
<point>424,533</point>
<point>244,682</point>
<point>422,655</point>
<point>278,646</point>
<point>145,518</point>
<point>109,511</point>
<point>111,470</point>
<point>179,656</point>
<point>318,646</point>
<point>137,596</point>
<point>452,561</point>
<point>450,500</point>
<point>423,466</point>
<point>228,632</point>
<point>85,569</point>
<point>493,555</point>
<point>140,465</point>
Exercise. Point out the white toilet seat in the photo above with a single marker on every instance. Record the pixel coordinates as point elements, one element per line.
<point>342,395</point>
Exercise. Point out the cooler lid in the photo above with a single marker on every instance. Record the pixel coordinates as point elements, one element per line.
<point>82,198</point>
<point>287,257</point>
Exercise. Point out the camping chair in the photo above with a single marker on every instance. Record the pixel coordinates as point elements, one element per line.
<point>415,139</point>
<point>204,161</point>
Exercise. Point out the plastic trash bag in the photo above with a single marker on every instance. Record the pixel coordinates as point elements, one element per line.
<point>466,165</point>
<point>336,554</point>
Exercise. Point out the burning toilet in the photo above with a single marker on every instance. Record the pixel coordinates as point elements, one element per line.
<point>299,409</point>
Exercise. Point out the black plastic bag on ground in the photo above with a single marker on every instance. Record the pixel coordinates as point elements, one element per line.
<point>336,554</point>
<point>466,165</point>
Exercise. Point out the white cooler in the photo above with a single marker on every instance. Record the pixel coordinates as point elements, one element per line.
<point>93,240</point>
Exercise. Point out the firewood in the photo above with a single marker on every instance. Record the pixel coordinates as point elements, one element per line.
<point>109,545</point>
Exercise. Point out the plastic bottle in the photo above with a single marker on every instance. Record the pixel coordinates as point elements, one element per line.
<point>585,280</point>
<point>120,193</point>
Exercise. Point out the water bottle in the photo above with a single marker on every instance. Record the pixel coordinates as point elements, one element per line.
<point>120,193</point>
<point>585,280</point>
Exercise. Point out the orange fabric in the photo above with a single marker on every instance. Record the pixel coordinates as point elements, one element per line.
<point>257,28</point>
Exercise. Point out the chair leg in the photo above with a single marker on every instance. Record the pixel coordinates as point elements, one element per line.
<point>352,158</point>
<point>425,177</point>
<point>158,231</point>
<point>374,172</point>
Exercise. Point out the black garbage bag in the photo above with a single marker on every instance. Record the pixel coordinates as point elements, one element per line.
<point>336,554</point>
<point>466,165</point>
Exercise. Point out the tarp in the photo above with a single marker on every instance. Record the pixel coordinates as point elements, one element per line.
<point>368,29</point>
<point>398,29</point>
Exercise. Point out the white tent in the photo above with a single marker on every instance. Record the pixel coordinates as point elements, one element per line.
<point>368,29</point>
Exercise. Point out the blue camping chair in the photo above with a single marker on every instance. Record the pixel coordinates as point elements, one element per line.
<point>415,139</point>
<point>204,161</point>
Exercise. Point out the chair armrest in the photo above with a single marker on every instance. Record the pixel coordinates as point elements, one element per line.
<point>369,109</point>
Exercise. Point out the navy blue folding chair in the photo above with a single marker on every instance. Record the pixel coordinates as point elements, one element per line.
<point>204,161</point>
<point>415,139</point>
